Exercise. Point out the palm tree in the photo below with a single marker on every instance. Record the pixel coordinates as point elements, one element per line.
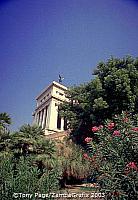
<point>45,154</point>
<point>25,140</point>
<point>30,140</point>
<point>5,121</point>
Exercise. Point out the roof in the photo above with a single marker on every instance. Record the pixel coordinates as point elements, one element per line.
<point>54,83</point>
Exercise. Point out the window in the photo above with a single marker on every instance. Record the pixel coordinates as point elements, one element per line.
<point>60,94</point>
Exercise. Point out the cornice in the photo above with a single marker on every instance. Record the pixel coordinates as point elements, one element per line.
<point>54,83</point>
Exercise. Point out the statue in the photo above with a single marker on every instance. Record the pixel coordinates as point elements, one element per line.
<point>60,78</point>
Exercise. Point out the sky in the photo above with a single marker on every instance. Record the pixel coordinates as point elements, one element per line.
<point>41,39</point>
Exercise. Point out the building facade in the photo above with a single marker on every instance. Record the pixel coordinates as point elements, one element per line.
<point>46,113</point>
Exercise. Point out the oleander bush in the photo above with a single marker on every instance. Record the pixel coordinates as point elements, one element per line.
<point>116,157</point>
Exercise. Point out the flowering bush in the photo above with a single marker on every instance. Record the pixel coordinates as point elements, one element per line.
<point>95,128</point>
<point>116,133</point>
<point>132,165</point>
<point>85,155</point>
<point>88,139</point>
<point>110,125</point>
<point>116,157</point>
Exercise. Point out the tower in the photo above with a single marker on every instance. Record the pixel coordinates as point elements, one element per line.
<point>46,113</point>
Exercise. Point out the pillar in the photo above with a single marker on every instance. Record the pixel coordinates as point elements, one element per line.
<point>48,116</point>
<point>62,124</point>
<point>44,118</point>
<point>40,121</point>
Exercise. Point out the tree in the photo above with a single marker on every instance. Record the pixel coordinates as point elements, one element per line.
<point>30,141</point>
<point>5,121</point>
<point>113,89</point>
<point>119,77</point>
<point>29,164</point>
<point>25,140</point>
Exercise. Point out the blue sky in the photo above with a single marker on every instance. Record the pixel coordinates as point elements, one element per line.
<point>40,39</point>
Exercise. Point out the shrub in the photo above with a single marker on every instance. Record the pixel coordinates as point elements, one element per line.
<point>72,163</point>
<point>22,177</point>
<point>116,157</point>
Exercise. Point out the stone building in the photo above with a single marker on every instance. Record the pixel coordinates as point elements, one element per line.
<point>46,113</point>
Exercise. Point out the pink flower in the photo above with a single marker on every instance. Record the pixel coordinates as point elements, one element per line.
<point>111,125</point>
<point>101,126</point>
<point>95,128</point>
<point>125,119</point>
<point>116,133</point>
<point>132,165</point>
<point>135,129</point>
<point>88,139</point>
<point>85,155</point>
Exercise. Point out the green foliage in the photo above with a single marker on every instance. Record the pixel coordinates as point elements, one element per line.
<point>116,156</point>
<point>114,88</point>
<point>72,162</point>
<point>5,120</point>
<point>28,164</point>
<point>36,165</point>
<point>119,77</point>
<point>26,140</point>
<point>99,104</point>
<point>23,177</point>
<point>49,181</point>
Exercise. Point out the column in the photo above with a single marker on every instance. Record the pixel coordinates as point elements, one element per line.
<point>44,118</point>
<point>52,116</point>
<point>62,124</point>
<point>40,121</point>
<point>48,116</point>
<point>35,119</point>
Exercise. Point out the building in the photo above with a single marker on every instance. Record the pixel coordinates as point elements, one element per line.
<point>46,113</point>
